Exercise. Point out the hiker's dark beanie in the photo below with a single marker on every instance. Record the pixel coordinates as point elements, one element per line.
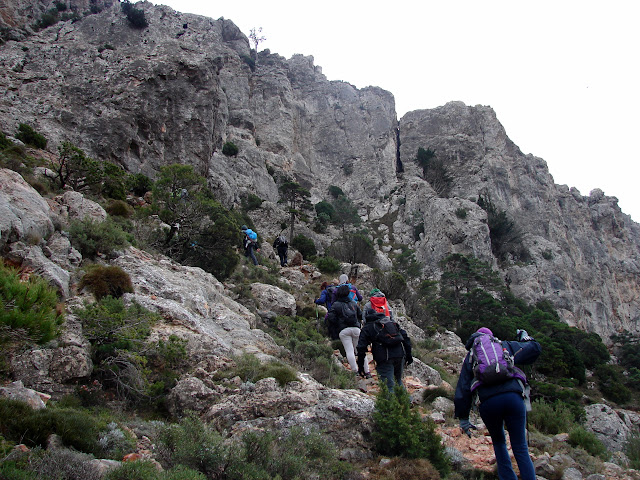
<point>343,291</point>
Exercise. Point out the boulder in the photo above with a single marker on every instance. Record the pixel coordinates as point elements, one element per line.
<point>24,214</point>
<point>75,206</point>
<point>190,394</point>
<point>344,415</point>
<point>607,425</point>
<point>17,391</point>
<point>270,297</point>
<point>422,371</point>
<point>33,257</point>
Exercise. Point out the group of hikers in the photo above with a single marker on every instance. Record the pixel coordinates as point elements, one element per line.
<point>251,246</point>
<point>489,379</point>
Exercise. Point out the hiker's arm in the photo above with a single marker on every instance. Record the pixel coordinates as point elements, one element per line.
<point>358,295</point>
<point>322,299</point>
<point>525,353</point>
<point>462,398</point>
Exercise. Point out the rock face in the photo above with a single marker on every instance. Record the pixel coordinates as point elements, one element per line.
<point>176,91</point>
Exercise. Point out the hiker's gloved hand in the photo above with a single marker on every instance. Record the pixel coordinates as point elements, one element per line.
<point>360,362</point>
<point>523,336</point>
<point>408,360</point>
<point>467,426</point>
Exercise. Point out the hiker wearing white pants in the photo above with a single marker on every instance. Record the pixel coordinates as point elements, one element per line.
<point>349,337</point>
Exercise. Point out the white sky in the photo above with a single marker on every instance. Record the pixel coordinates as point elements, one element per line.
<point>563,75</point>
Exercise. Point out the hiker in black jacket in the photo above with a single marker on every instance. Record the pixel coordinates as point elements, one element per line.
<point>390,357</point>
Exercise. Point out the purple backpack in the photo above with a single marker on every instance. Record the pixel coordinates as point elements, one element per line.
<point>492,363</point>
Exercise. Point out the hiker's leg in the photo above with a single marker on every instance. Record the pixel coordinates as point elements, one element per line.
<point>398,369</point>
<point>356,337</point>
<point>385,372</point>
<point>491,411</point>
<point>515,419</point>
<point>346,337</point>
<point>252,254</point>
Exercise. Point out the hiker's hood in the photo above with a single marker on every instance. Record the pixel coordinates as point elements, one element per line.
<point>378,294</point>
<point>473,336</point>
<point>371,315</point>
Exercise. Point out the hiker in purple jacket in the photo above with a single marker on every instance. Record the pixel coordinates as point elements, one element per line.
<point>500,404</point>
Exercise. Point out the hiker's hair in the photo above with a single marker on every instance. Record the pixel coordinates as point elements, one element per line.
<point>343,291</point>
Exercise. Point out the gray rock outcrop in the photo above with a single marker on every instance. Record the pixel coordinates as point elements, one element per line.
<point>607,425</point>
<point>176,91</point>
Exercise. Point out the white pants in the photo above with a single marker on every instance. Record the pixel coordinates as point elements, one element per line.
<point>349,337</point>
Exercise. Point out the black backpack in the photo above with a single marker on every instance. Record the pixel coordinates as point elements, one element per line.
<point>349,314</point>
<point>388,332</point>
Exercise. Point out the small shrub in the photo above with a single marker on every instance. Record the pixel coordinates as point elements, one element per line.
<point>139,470</point>
<point>580,437</point>
<point>430,395</point>
<point>93,238</point>
<point>305,246</point>
<point>632,450</point>
<point>30,306</point>
<point>611,383</point>
<point>62,464</point>
<point>404,469</point>
<point>22,424</point>
<point>135,16</point>
<point>547,254</point>
<point>139,184</point>
<point>335,191</point>
<point>550,418</point>
<point>119,208</point>
<point>328,265</point>
<point>252,202</point>
<point>230,149</point>
<point>461,213</point>
<point>250,369</point>
<point>103,281</point>
<point>4,141</point>
<point>399,430</point>
<point>29,136</point>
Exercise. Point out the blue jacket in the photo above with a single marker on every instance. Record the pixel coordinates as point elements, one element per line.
<point>351,287</point>
<point>525,353</point>
<point>325,299</point>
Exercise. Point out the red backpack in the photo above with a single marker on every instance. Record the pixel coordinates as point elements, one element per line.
<point>379,304</point>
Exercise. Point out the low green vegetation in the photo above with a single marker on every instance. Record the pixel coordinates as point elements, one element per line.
<point>29,136</point>
<point>93,238</point>
<point>250,369</point>
<point>400,431</point>
<point>126,363</point>
<point>230,149</point>
<point>28,309</point>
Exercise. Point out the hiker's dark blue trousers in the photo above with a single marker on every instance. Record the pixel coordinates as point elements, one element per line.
<point>391,372</point>
<point>507,409</point>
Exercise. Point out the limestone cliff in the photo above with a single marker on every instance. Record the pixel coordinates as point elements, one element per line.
<point>179,89</point>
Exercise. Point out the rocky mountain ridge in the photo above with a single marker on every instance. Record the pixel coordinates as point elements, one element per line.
<point>216,329</point>
<point>179,89</point>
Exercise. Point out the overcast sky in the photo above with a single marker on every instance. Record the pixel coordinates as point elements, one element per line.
<point>563,76</point>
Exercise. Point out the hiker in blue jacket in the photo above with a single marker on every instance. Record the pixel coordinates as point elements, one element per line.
<point>500,404</point>
<point>355,295</point>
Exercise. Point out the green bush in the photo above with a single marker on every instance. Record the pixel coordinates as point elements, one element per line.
<point>334,191</point>
<point>580,437</point>
<point>109,280</point>
<point>632,450</point>
<point>611,383</point>
<point>192,444</point>
<point>230,149</point>
<point>135,16</point>
<point>119,208</point>
<point>30,306</point>
<point>251,202</point>
<point>139,184</point>
<point>325,208</point>
<point>124,360</point>
<point>405,469</point>
<point>113,181</point>
<point>4,141</point>
<point>551,418</point>
<point>304,245</point>
<point>92,238</point>
<point>399,430</point>
<point>29,136</point>
<point>328,265</point>
<point>461,213</point>
<point>250,369</point>
<point>22,424</point>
